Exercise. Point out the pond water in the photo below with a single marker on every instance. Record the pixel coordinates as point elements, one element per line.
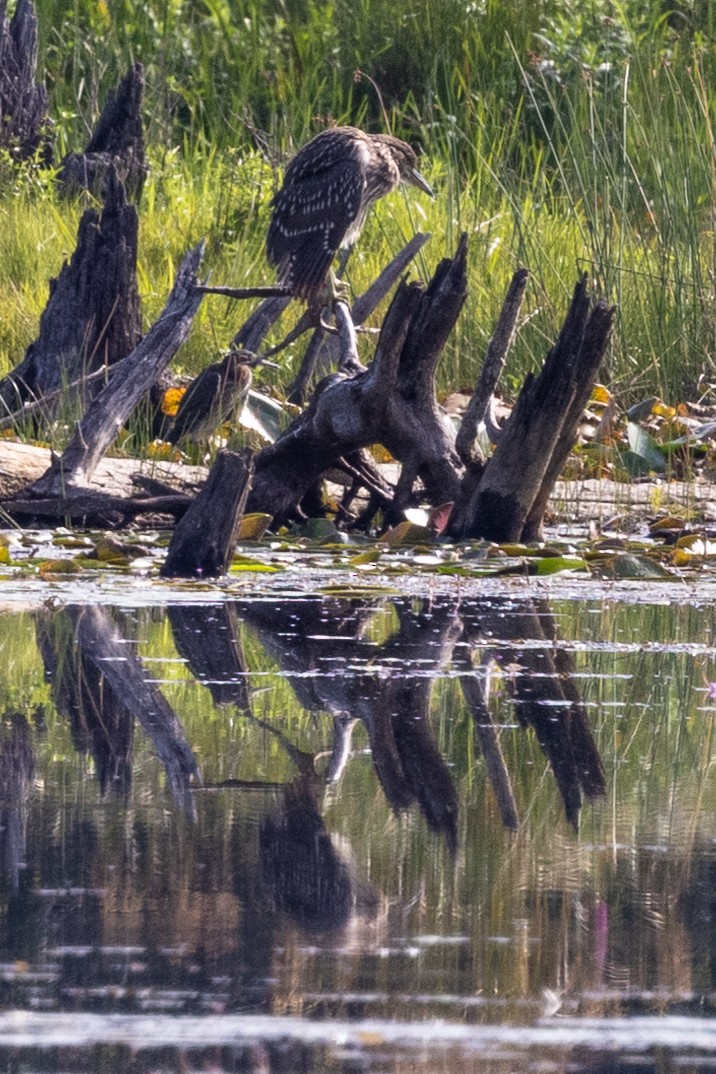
<point>458,831</point>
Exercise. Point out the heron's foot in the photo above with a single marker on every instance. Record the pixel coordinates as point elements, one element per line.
<point>337,290</point>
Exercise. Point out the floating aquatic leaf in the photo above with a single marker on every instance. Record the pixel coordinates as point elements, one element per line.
<point>406,533</point>
<point>241,564</point>
<point>320,529</point>
<point>49,568</point>
<point>372,555</point>
<point>253,526</point>
<point>667,525</point>
<point>558,564</point>
<point>645,447</point>
<point>627,565</point>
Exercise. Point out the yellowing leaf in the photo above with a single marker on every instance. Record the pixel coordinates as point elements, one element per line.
<point>253,527</point>
<point>380,453</point>
<point>49,568</point>
<point>601,394</point>
<point>171,400</point>
<point>406,533</point>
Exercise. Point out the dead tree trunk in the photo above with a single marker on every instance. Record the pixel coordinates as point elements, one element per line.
<point>392,402</point>
<point>117,144</point>
<point>512,494</point>
<point>205,538</point>
<point>24,126</point>
<point>92,319</point>
<point>129,383</point>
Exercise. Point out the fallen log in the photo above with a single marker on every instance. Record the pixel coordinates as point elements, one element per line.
<point>129,382</point>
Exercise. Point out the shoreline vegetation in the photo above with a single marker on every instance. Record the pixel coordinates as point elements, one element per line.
<point>567,137</point>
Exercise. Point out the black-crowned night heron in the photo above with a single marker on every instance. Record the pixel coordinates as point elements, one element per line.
<point>328,188</point>
<point>213,397</point>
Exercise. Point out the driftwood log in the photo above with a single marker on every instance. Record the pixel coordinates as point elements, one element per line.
<point>24,124</point>
<point>63,492</point>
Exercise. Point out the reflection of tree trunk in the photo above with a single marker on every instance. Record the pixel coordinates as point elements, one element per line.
<point>100,722</point>
<point>489,740</point>
<point>309,636</point>
<point>101,647</point>
<point>207,637</point>
<point>17,767</point>
<point>544,696</point>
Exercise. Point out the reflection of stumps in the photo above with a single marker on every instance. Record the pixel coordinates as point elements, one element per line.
<point>205,538</point>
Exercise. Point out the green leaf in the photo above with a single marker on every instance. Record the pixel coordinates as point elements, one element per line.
<point>557,564</point>
<point>645,447</point>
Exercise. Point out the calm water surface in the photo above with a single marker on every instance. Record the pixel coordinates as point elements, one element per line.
<point>387,834</point>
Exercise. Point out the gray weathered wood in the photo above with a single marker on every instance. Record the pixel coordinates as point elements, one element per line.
<point>92,319</point>
<point>117,144</point>
<point>492,366</point>
<point>128,384</point>
<point>204,540</point>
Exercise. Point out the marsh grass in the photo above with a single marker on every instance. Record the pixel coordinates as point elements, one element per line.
<point>567,139</point>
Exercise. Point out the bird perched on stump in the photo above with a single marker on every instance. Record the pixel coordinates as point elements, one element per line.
<point>213,397</point>
<point>327,191</point>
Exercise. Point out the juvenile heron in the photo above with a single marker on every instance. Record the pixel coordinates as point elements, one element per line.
<point>327,191</point>
<point>213,397</point>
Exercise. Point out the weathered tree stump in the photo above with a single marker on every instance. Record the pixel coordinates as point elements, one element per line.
<point>205,538</point>
<point>392,403</point>
<point>92,319</point>
<point>128,384</point>
<point>24,125</point>
<point>117,145</point>
<point>511,496</point>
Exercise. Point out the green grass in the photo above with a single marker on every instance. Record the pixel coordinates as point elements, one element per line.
<point>568,138</point>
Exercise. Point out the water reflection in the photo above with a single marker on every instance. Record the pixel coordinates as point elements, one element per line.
<point>362,822</point>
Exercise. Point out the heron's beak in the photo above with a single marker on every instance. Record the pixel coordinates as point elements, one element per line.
<point>416,179</point>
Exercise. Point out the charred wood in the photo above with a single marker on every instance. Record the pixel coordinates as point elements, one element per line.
<point>92,318</point>
<point>116,146</point>
<point>24,125</point>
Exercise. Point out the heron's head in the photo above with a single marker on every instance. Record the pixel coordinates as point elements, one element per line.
<point>405,158</point>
